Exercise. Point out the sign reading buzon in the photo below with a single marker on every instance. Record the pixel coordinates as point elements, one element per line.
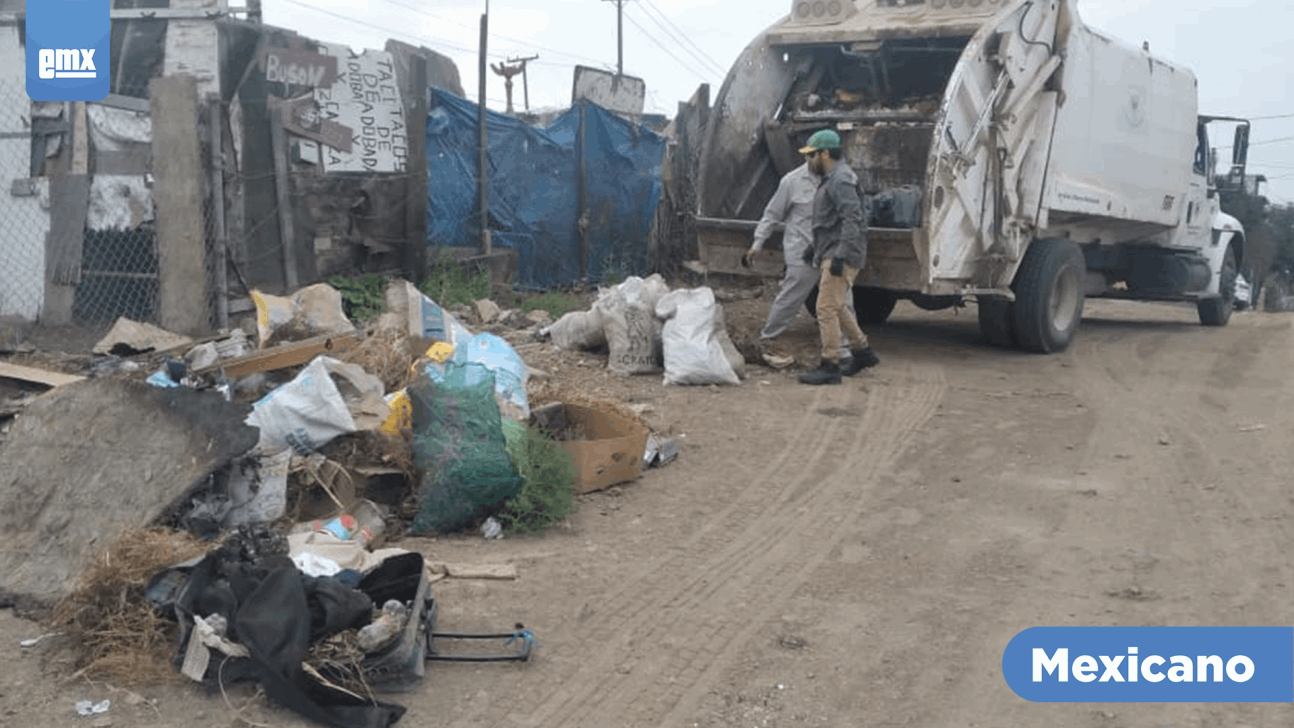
<point>68,44</point>
<point>1152,664</point>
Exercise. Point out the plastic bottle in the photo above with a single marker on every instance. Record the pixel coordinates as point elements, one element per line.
<point>370,526</point>
<point>390,623</point>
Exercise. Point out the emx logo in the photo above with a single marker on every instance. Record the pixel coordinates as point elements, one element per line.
<point>68,43</point>
<point>67,63</point>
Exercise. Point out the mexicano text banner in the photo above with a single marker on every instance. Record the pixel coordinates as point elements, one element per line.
<point>1152,664</point>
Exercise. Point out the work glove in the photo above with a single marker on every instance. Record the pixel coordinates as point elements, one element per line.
<point>837,266</point>
<point>747,258</point>
<point>808,256</point>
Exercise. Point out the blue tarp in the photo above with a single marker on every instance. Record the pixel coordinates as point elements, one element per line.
<point>533,189</point>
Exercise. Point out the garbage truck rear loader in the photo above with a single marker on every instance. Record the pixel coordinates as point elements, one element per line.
<point>1046,163</point>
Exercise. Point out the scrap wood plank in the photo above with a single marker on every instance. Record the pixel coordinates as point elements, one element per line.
<point>39,376</point>
<point>284,355</point>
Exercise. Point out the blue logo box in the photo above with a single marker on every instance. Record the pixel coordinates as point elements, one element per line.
<point>69,43</point>
<point>1151,664</point>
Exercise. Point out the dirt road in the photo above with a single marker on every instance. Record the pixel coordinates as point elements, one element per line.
<point>860,555</point>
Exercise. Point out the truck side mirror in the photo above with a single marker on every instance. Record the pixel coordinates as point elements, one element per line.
<point>1240,148</point>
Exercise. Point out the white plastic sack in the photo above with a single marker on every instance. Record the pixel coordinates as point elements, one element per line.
<point>633,332</point>
<point>312,311</point>
<point>693,352</point>
<point>258,489</point>
<point>423,317</point>
<point>578,330</point>
<point>326,400</point>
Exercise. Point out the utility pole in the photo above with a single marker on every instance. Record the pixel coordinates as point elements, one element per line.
<point>508,72</point>
<point>482,139</point>
<point>525,83</point>
<point>620,36</point>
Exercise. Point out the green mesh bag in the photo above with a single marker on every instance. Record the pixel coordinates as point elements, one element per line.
<point>460,448</point>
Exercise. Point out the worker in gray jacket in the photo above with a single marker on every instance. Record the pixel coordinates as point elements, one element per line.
<point>791,205</point>
<point>839,250</point>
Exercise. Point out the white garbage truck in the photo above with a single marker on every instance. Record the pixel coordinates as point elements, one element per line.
<point>1017,158</point>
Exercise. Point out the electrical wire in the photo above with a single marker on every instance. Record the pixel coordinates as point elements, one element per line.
<point>665,17</point>
<point>701,58</point>
<point>492,34</point>
<point>661,46</point>
<point>418,38</point>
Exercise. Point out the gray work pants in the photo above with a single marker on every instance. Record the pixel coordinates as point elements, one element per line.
<point>797,283</point>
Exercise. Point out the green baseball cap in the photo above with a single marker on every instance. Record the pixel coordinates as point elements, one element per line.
<point>824,139</point>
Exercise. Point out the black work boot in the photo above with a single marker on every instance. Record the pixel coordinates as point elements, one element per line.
<point>826,373</point>
<point>860,359</point>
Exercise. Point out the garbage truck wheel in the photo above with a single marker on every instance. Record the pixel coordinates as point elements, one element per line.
<point>1049,295</point>
<point>997,321</point>
<point>872,306</point>
<point>1217,311</point>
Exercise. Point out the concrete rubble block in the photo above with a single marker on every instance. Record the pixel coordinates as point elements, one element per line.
<point>488,311</point>
<point>91,460</point>
<point>539,316</point>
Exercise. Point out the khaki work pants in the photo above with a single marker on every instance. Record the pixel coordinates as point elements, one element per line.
<point>834,293</point>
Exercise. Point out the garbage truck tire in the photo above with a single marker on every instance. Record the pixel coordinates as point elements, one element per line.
<point>1049,295</point>
<point>1217,311</point>
<point>997,322</point>
<point>872,306</point>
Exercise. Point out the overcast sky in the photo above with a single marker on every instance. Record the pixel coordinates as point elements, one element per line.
<point>1240,51</point>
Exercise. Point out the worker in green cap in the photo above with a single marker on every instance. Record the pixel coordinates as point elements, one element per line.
<point>839,250</point>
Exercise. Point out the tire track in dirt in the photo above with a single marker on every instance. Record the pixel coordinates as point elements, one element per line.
<point>1177,376</point>
<point>762,561</point>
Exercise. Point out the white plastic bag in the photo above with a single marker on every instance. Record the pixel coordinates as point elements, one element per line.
<point>258,488</point>
<point>326,400</point>
<point>694,353</point>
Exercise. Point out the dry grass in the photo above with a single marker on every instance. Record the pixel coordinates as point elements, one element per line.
<point>386,353</point>
<point>339,660</point>
<point>115,633</point>
<point>549,391</point>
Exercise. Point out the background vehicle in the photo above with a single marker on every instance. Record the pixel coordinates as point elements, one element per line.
<point>1053,163</point>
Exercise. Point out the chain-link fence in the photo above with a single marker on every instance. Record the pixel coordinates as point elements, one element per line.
<point>117,271</point>
<point>78,227</point>
<point>24,204</point>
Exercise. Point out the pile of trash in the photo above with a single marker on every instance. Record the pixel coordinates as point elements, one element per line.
<point>649,329</point>
<point>270,458</point>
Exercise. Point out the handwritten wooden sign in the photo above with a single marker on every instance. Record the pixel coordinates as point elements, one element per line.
<point>299,68</point>
<point>303,117</point>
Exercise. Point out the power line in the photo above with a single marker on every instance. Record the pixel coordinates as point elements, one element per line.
<point>705,63</point>
<point>667,51</point>
<point>443,19</point>
<point>419,38</point>
<point>708,58</point>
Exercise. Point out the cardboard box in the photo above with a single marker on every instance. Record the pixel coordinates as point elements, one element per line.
<point>608,449</point>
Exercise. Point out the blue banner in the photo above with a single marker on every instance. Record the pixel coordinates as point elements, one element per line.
<point>1152,664</point>
<point>69,43</point>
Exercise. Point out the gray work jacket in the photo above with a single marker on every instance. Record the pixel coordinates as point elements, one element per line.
<point>839,218</point>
